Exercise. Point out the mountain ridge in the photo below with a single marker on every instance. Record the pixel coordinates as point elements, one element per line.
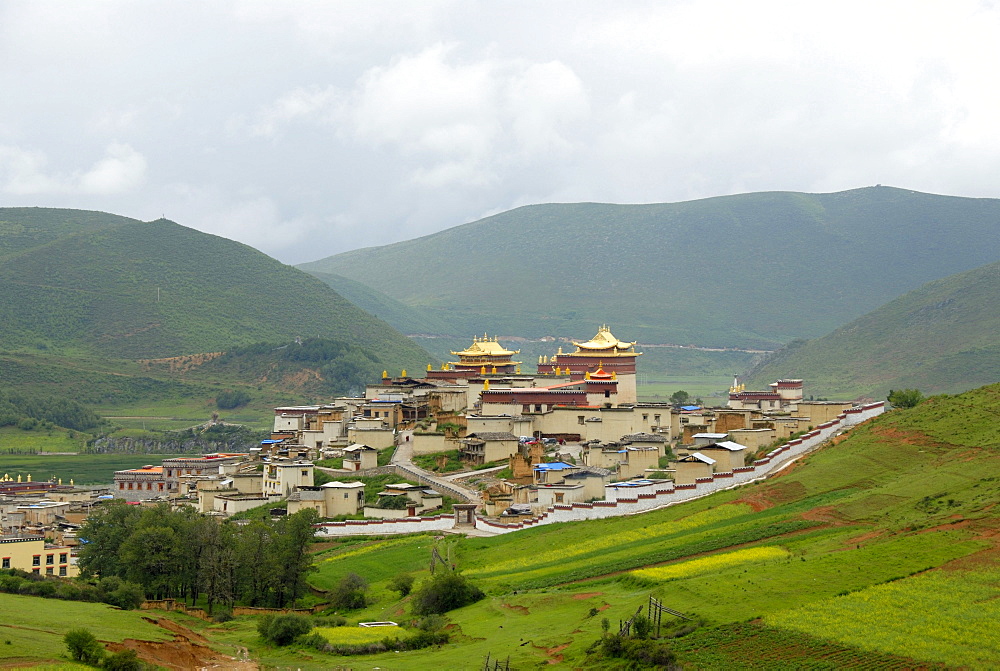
<point>770,267</point>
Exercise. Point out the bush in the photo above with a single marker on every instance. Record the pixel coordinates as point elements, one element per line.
<point>445,591</point>
<point>127,596</point>
<point>231,399</point>
<point>83,646</point>
<point>223,614</point>
<point>349,593</point>
<point>123,660</point>
<point>402,583</point>
<point>283,629</point>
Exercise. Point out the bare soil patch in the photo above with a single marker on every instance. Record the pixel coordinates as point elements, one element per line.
<point>188,650</point>
<point>586,595</point>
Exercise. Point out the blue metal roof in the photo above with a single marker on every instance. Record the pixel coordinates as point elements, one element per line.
<point>553,466</point>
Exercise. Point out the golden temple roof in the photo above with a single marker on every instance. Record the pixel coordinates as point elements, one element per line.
<point>604,341</point>
<point>486,347</point>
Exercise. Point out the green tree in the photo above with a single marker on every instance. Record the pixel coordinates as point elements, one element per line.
<point>904,398</point>
<point>445,591</point>
<point>349,594</point>
<point>152,556</point>
<point>680,397</point>
<point>283,629</point>
<point>296,533</point>
<point>83,646</point>
<point>103,534</point>
<point>402,583</point>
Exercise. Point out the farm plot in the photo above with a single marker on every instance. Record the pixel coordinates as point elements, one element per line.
<point>944,616</point>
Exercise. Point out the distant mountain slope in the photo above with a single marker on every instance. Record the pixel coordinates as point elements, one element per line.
<point>755,269</point>
<point>26,227</point>
<point>402,317</point>
<point>158,289</point>
<point>940,338</point>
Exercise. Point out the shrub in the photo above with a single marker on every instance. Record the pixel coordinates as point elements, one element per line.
<point>445,591</point>
<point>283,629</point>
<point>230,399</point>
<point>123,660</point>
<point>223,614</point>
<point>402,583</point>
<point>349,593</point>
<point>83,646</point>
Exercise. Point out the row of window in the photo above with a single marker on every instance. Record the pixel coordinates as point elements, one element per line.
<point>149,486</point>
<point>37,559</point>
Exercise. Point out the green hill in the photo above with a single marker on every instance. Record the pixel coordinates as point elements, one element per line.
<point>158,289</point>
<point>26,227</point>
<point>750,270</point>
<point>941,337</point>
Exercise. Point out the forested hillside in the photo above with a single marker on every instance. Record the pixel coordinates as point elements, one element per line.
<point>756,269</point>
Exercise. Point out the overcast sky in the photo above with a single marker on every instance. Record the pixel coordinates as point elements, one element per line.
<point>309,128</point>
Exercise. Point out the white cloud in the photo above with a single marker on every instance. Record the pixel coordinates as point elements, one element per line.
<point>313,127</point>
<point>24,172</point>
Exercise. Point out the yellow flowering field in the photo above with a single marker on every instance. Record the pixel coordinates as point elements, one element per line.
<point>711,564</point>
<point>944,616</point>
<point>357,635</point>
<point>567,551</point>
<point>366,549</point>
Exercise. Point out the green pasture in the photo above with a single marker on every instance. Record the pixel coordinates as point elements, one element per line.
<point>84,469</point>
<point>13,439</point>
<point>944,616</point>
<point>35,627</point>
<point>710,388</point>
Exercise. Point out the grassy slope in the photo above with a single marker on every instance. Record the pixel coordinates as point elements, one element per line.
<point>736,270</point>
<point>159,289</point>
<point>908,492</point>
<point>26,227</point>
<point>35,627</point>
<point>939,338</point>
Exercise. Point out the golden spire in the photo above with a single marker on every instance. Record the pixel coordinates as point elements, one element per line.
<point>429,368</point>
<point>494,370</point>
<point>385,375</point>
<point>486,385</point>
<point>403,374</point>
<point>518,370</point>
<point>482,371</point>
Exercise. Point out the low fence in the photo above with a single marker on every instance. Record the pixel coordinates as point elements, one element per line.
<point>180,607</point>
<point>404,525</point>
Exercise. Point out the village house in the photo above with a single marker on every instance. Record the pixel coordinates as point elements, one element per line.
<point>689,468</point>
<point>484,447</point>
<point>727,454</point>
<point>360,457</point>
<point>331,499</point>
<point>404,500</point>
<point>34,555</point>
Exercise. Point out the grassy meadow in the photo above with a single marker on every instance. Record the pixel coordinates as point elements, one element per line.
<point>83,469</point>
<point>32,628</point>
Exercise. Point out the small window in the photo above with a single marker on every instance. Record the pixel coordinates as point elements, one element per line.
<point>36,560</point>
<point>607,393</point>
<point>121,485</point>
<point>559,497</point>
<point>305,473</point>
<point>6,562</point>
<point>51,570</point>
<point>62,558</point>
<point>345,495</point>
<point>50,559</point>
<point>579,419</point>
<point>34,570</point>
<point>62,571</point>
